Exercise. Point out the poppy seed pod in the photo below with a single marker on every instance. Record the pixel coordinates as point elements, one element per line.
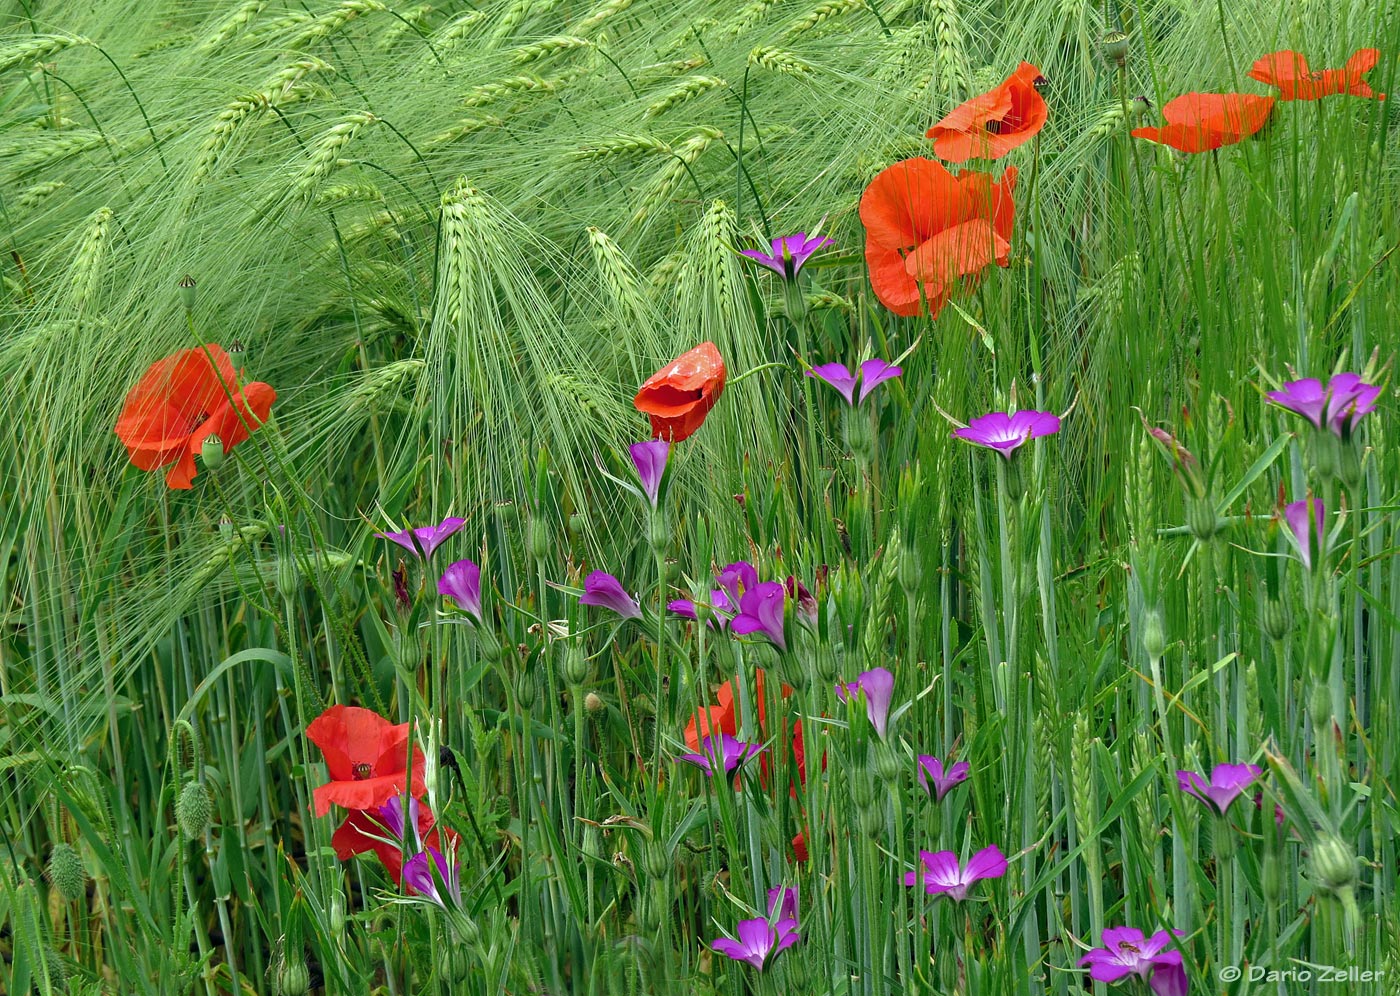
<point>1116,47</point>
<point>1333,865</point>
<point>66,873</point>
<point>193,811</point>
<point>187,292</point>
<point>211,451</point>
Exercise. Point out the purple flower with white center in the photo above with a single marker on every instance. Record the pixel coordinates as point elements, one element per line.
<point>1227,782</point>
<point>428,869</point>
<point>461,582</point>
<point>938,781</point>
<point>759,943</point>
<point>761,611</point>
<point>1127,952</point>
<point>729,752</point>
<point>650,460</point>
<point>1006,433</point>
<point>606,592</point>
<point>425,539</point>
<point>1308,540</point>
<point>942,874</point>
<point>1337,407</point>
<point>783,901</point>
<point>789,253</point>
<point>878,686</point>
<point>872,374</point>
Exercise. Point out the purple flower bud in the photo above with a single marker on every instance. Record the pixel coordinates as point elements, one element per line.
<point>878,686</point>
<point>931,772</point>
<point>650,460</point>
<point>606,592</point>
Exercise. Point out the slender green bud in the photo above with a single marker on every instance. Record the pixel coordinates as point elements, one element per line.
<point>1320,708</point>
<point>1276,620</point>
<point>525,689</point>
<point>887,764</point>
<point>293,977</point>
<point>860,434</point>
<point>539,538</point>
<point>862,789</point>
<point>658,860</point>
<point>1154,633</point>
<point>211,451</point>
<point>1201,518</point>
<point>574,666</point>
<point>1325,446</point>
<point>337,913</point>
<point>453,961</point>
<point>193,811</point>
<point>1271,877</point>
<point>659,533</point>
<point>1349,465</point>
<point>872,820</point>
<point>187,292</point>
<point>66,872</point>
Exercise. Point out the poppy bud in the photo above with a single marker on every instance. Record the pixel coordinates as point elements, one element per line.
<point>539,538</point>
<point>1320,706</point>
<point>193,812</point>
<point>593,703</point>
<point>575,667</point>
<point>447,758</point>
<point>1154,635</point>
<point>211,451</point>
<point>578,522</point>
<point>66,872</point>
<point>1275,619</point>
<point>58,972</point>
<point>1115,48</point>
<point>1201,518</point>
<point>911,572</point>
<point>1333,865</point>
<point>525,689</point>
<point>187,292</point>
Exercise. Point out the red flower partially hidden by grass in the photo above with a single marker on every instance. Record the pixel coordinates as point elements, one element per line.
<point>723,717</point>
<point>925,226</point>
<point>679,395</point>
<point>181,401</point>
<point>367,757</point>
<point>1199,122</point>
<point>1289,71</point>
<point>991,124</point>
<point>376,830</point>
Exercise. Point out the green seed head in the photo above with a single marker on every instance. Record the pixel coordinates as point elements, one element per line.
<point>211,451</point>
<point>1116,47</point>
<point>66,872</point>
<point>187,292</point>
<point>293,977</point>
<point>1333,865</point>
<point>193,811</point>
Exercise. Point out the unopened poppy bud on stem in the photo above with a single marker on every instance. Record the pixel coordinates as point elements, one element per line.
<point>1276,620</point>
<point>192,810</point>
<point>66,873</point>
<point>539,539</point>
<point>575,666</point>
<point>1154,634</point>
<point>525,689</point>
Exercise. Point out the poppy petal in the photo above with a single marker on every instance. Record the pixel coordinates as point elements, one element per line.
<point>909,201</point>
<point>956,252</point>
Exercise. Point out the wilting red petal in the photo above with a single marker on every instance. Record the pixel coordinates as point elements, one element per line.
<point>679,396</point>
<point>1198,122</point>
<point>991,124</point>
<point>1288,70</point>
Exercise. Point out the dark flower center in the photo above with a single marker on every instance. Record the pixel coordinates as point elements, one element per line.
<point>1040,82</point>
<point>362,771</point>
<point>994,126</point>
<point>1316,76</point>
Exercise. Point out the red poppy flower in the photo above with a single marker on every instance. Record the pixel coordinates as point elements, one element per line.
<point>1289,72</point>
<point>799,846</point>
<point>366,830</point>
<point>722,717</point>
<point>1198,122</point>
<point>991,124</point>
<point>681,394</point>
<point>925,226</point>
<point>367,757</point>
<point>181,401</point>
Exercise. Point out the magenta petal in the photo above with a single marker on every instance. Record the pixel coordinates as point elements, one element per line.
<point>784,902</point>
<point>1006,433</point>
<point>986,863</point>
<point>1296,514</point>
<point>873,373</point>
<point>682,607</point>
<point>838,377</point>
<point>761,611</point>
<point>942,870</point>
<point>1305,397</point>
<point>1168,980</point>
<point>605,591</point>
<point>461,582</point>
<point>650,460</point>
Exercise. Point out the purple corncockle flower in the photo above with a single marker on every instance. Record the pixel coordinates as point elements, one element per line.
<point>758,942</point>
<point>733,580</point>
<point>729,751</point>
<point>789,253</point>
<point>1337,407</point>
<point>1127,952</point>
<point>1296,513</point>
<point>426,870</point>
<point>932,772</point>
<point>461,582</point>
<point>878,686</point>
<point>606,592</point>
<point>650,460</point>
<point>872,374</point>
<point>1226,783</point>
<point>1005,433</point>
<point>783,901</point>
<point>425,539</point>
<point>804,605</point>
<point>943,874</point>
<point>761,611</point>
